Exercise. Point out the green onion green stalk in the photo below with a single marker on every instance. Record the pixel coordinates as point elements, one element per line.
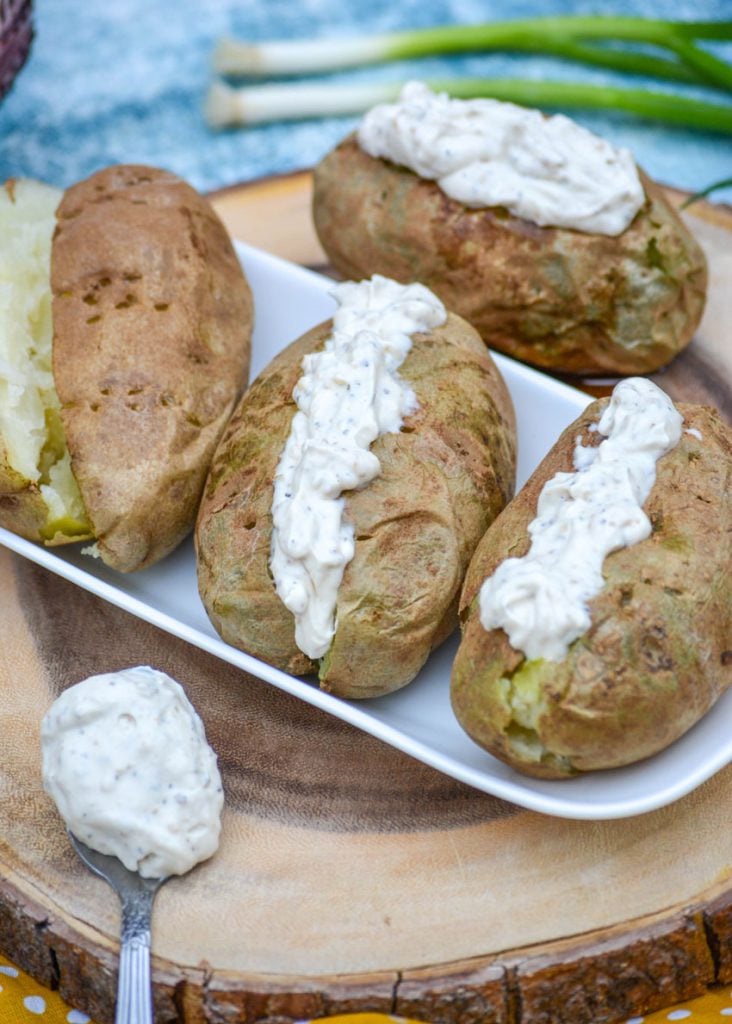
<point>726,183</point>
<point>569,36</point>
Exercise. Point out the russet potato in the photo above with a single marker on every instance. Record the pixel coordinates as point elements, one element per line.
<point>554,297</point>
<point>125,342</point>
<point>657,654</point>
<point>443,478</point>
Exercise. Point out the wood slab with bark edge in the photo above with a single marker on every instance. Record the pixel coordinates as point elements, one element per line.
<point>350,876</point>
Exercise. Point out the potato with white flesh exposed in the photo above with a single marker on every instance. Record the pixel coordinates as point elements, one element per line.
<point>124,343</point>
<point>350,489</point>
<point>596,610</point>
<point>548,240</point>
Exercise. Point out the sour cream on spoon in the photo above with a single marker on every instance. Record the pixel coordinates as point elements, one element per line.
<point>126,761</point>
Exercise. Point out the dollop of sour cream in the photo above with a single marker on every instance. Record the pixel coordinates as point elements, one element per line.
<point>483,152</point>
<point>126,761</point>
<point>541,600</point>
<point>349,394</point>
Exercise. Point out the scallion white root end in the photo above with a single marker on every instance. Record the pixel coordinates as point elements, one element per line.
<point>295,57</point>
<point>221,107</point>
<point>232,57</point>
<point>227,107</point>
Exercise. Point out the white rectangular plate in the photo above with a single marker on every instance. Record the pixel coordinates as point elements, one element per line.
<point>417,719</point>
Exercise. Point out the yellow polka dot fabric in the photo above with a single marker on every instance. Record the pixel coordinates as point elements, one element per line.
<point>24,1001</point>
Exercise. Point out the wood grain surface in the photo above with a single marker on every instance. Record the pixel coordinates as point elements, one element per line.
<point>351,877</point>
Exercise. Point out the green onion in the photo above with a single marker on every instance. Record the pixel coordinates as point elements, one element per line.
<point>661,106</point>
<point>561,36</point>
<point>227,106</point>
<point>629,61</point>
<point>719,30</point>
<point>726,183</point>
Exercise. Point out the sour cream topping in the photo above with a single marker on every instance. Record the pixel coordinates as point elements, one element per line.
<point>126,761</point>
<point>350,393</point>
<point>482,152</point>
<point>541,600</point>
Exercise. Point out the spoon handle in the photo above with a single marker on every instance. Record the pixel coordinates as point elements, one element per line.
<point>134,992</point>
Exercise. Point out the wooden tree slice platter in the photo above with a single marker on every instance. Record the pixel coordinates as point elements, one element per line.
<point>351,877</point>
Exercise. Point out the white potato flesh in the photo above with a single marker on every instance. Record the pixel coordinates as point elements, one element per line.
<point>29,421</point>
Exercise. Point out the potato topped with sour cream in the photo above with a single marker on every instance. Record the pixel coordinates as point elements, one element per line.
<point>596,612</point>
<point>350,488</point>
<point>546,238</point>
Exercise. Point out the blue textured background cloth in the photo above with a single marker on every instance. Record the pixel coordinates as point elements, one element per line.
<point>124,80</point>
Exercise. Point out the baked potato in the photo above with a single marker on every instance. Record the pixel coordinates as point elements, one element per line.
<point>444,476</point>
<point>657,652</point>
<point>124,343</point>
<point>557,298</point>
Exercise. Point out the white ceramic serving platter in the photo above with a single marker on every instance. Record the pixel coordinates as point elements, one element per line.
<point>417,719</point>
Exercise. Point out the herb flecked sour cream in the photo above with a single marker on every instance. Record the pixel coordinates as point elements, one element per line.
<point>483,152</point>
<point>126,760</point>
<point>349,394</point>
<point>541,600</point>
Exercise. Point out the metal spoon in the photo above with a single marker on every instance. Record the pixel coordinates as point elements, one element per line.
<point>134,991</point>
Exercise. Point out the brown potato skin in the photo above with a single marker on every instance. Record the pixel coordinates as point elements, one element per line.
<point>560,299</point>
<point>444,477</point>
<point>152,322</point>
<point>657,655</point>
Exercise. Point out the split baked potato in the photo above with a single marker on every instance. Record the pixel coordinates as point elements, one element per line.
<point>554,297</point>
<point>124,343</point>
<point>444,476</point>
<point>657,654</point>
